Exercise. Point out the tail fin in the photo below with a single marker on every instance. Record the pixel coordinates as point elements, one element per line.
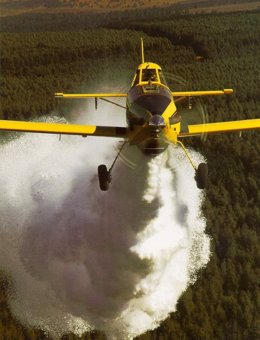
<point>142,50</point>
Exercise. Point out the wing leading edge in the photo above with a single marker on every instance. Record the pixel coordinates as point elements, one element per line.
<point>88,95</point>
<point>239,125</point>
<point>66,129</point>
<point>202,93</point>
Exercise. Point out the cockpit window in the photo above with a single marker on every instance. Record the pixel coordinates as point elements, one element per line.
<point>163,81</point>
<point>136,78</point>
<point>149,75</point>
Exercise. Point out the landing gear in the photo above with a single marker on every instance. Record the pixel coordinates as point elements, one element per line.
<point>201,176</point>
<point>104,175</point>
<point>201,172</point>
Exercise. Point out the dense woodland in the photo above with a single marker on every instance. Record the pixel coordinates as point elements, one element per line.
<point>224,301</point>
<point>102,14</point>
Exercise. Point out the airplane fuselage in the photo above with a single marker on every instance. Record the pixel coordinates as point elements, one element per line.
<point>148,99</point>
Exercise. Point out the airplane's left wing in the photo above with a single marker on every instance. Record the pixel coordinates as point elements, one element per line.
<point>239,125</point>
<point>67,129</point>
<point>89,95</point>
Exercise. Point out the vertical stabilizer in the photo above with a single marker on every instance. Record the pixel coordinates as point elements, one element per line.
<point>142,50</point>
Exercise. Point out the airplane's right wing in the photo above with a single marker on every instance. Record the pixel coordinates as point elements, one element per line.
<point>66,129</point>
<point>201,93</point>
<point>239,125</point>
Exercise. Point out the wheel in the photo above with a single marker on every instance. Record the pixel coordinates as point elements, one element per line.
<point>104,177</point>
<point>201,176</point>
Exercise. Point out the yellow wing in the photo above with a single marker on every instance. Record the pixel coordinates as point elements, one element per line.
<point>201,93</point>
<point>239,125</point>
<point>88,95</point>
<point>67,129</point>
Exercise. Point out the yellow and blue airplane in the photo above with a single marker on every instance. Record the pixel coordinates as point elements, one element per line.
<point>152,120</point>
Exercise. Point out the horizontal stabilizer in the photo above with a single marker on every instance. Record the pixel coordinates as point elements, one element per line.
<point>66,129</point>
<point>239,125</point>
<point>88,95</point>
<point>201,93</point>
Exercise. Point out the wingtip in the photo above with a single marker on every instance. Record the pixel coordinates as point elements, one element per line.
<point>58,94</point>
<point>228,91</point>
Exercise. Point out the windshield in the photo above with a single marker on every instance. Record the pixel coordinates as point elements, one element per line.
<point>162,78</point>
<point>136,78</point>
<point>149,75</point>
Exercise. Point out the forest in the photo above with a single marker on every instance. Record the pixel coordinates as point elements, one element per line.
<point>223,303</point>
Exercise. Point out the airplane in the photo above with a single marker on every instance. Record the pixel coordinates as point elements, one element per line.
<point>153,122</point>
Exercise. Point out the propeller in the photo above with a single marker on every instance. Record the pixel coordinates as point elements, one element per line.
<point>190,110</point>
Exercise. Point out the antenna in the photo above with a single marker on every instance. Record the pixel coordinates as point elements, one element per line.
<point>142,50</point>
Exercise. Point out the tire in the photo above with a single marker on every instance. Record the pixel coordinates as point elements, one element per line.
<point>201,176</point>
<point>104,177</point>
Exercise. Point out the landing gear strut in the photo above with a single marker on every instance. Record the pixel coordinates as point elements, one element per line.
<point>201,172</point>
<point>104,175</point>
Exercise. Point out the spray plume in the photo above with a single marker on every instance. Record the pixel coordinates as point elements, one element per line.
<point>81,259</point>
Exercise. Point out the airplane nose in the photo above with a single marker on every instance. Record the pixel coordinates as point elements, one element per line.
<point>157,120</point>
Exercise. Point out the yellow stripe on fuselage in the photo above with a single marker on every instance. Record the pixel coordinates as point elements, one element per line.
<point>171,132</point>
<point>169,111</point>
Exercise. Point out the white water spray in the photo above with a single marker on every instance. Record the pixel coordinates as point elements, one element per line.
<point>80,259</point>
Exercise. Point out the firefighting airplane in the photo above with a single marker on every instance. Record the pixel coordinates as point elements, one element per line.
<point>152,120</point>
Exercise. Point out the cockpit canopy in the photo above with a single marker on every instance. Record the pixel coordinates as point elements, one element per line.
<point>149,73</point>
